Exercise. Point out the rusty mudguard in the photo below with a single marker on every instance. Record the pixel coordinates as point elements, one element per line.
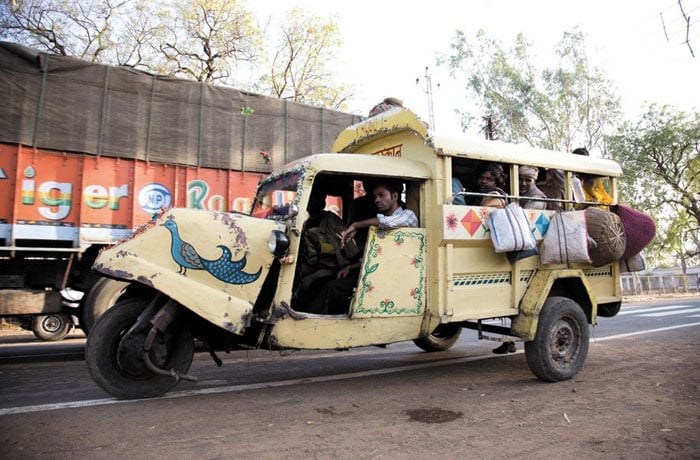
<point>213,263</point>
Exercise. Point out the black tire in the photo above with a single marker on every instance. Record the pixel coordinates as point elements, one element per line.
<point>53,327</point>
<point>561,344</point>
<point>120,370</point>
<point>101,297</point>
<point>442,338</point>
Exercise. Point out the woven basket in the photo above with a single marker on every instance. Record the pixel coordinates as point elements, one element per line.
<point>606,229</point>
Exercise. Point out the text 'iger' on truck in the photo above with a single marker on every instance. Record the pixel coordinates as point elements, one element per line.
<point>371,245</point>
<point>90,152</point>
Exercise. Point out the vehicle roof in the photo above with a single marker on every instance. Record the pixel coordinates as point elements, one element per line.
<point>361,165</point>
<point>503,152</point>
<point>397,121</point>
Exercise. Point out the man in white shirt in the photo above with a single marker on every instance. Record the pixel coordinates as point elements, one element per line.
<point>334,298</point>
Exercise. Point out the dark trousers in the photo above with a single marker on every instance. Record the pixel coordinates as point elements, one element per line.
<point>334,297</point>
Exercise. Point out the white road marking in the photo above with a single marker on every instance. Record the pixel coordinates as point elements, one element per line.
<point>648,331</point>
<point>669,313</point>
<point>635,311</point>
<point>289,382</point>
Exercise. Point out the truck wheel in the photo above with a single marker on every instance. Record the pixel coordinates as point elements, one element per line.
<point>117,366</point>
<point>442,338</point>
<point>103,295</point>
<point>51,327</point>
<point>561,342</point>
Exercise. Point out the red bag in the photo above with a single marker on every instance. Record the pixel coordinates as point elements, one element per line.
<point>640,229</point>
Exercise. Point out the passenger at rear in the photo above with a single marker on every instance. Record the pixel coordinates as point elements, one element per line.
<point>528,188</point>
<point>491,181</point>
<point>553,188</point>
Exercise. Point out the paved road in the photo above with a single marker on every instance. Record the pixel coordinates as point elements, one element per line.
<point>50,408</point>
<point>37,376</point>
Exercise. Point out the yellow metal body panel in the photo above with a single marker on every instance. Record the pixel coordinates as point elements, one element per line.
<point>525,323</point>
<point>334,332</point>
<point>392,280</point>
<point>212,263</point>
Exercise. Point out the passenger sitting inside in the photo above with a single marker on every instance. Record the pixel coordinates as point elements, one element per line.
<point>335,296</point>
<point>553,188</point>
<point>528,188</point>
<point>321,251</point>
<point>491,181</point>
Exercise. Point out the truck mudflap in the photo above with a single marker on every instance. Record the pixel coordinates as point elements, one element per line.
<point>213,263</point>
<point>524,325</point>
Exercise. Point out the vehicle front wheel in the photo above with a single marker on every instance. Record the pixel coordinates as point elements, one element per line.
<point>561,343</point>
<point>101,297</point>
<point>51,327</point>
<point>442,338</point>
<point>114,358</point>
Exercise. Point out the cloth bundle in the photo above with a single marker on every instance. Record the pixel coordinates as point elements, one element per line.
<point>510,229</point>
<point>640,229</point>
<point>566,240</point>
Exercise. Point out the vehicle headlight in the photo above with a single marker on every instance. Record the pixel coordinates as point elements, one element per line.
<point>279,243</point>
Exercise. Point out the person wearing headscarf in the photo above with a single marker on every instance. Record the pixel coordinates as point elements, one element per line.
<point>528,188</point>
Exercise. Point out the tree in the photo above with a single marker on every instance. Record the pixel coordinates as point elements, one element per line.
<point>660,154</point>
<point>302,59</point>
<point>572,105</point>
<point>85,29</point>
<point>206,38</point>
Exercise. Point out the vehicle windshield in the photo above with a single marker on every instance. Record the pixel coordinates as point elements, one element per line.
<point>276,195</point>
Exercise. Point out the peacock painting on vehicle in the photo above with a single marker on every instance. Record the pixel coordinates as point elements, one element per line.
<point>224,268</point>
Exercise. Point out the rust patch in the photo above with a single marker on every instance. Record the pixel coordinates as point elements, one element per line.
<point>282,311</point>
<point>145,280</point>
<point>119,274</point>
<point>432,415</point>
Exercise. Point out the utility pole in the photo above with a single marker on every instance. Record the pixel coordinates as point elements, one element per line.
<point>429,91</point>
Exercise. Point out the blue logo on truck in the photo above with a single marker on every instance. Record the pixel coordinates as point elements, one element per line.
<point>154,197</point>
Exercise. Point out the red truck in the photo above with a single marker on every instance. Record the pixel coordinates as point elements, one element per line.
<point>59,209</point>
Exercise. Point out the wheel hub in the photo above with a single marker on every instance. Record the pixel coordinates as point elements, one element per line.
<point>129,354</point>
<point>52,324</point>
<point>562,341</point>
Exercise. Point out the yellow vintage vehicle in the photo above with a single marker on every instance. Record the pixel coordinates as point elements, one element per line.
<point>230,279</point>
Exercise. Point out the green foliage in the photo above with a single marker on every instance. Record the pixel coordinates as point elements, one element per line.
<point>302,59</point>
<point>561,108</point>
<point>660,154</point>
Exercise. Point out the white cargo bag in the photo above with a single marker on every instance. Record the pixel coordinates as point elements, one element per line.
<point>566,240</point>
<point>510,229</point>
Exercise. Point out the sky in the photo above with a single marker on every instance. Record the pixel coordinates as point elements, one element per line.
<point>388,44</point>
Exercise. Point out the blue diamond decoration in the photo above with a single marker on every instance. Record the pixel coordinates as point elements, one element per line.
<point>542,224</point>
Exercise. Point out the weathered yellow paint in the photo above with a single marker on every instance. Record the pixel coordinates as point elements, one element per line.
<point>333,332</point>
<point>392,280</point>
<point>152,259</point>
<point>524,324</point>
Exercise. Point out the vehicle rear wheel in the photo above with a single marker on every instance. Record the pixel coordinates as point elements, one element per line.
<point>114,358</point>
<point>51,327</point>
<point>103,295</point>
<point>442,338</point>
<point>561,342</point>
